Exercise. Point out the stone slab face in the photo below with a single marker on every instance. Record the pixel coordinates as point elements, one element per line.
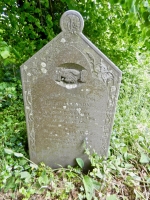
<point>70,91</point>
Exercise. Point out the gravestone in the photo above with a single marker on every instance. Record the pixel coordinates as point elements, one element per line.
<point>70,91</point>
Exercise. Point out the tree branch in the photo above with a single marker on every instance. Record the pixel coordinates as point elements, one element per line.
<point>51,9</point>
<point>40,7</point>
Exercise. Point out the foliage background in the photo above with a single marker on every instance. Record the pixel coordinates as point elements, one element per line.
<point>121,30</point>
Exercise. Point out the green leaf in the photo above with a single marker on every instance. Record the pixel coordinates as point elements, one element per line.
<point>5,53</point>
<point>40,180</point>
<point>124,149</point>
<point>88,185</point>
<point>127,165</point>
<point>96,185</point>
<point>112,197</point>
<point>26,5</point>
<point>144,158</point>
<point>17,54</point>
<point>8,151</point>
<point>3,44</point>
<point>22,162</point>
<point>80,162</point>
<point>18,154</point>
<point>10,183</point>
<point>43,179</point>
<point>25,175</point>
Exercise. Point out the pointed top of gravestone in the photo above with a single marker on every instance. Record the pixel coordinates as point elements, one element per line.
<point>70,91</point>
<point>72,22</point>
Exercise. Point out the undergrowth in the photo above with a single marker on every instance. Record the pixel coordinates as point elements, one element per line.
<point>125,174</point>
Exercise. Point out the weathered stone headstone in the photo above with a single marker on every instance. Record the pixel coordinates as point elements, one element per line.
<point>70,91</point>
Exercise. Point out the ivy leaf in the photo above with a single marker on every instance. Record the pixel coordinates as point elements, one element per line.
<point>22,162</point>
<point>8,151</point>
<point>80,162</point>
<point>18,154</point>
<point>144,158</point>
<point>43,179</point>
<point>25,175</point>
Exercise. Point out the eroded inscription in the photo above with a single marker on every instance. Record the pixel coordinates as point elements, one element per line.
<point>73,114</point>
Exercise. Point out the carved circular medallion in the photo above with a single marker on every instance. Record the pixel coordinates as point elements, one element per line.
<point>72,21</point>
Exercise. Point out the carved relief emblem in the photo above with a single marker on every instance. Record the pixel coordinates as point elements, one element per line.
<point>72,21</point>
<point>70,76</point>
<point>100,70</point>
<point>73,24</point>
